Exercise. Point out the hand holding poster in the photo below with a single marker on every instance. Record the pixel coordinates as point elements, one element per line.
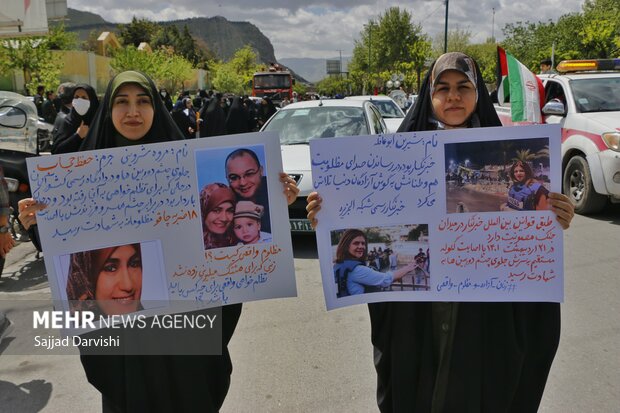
<point>165,228</point>
<point>439,216</point>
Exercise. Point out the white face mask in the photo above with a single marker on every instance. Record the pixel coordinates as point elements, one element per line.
<point>164,94</point>
<point>81,106</point>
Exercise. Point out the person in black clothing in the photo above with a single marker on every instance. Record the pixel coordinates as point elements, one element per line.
<point>48,108</point>
<point>74,127</point>
<point>213,119</point>
<point>266,109</point>
<point>461,357</point>
<point>165,97</point>
<point>237,119</point>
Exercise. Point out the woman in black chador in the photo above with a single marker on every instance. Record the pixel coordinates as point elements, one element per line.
<point>451,356</point>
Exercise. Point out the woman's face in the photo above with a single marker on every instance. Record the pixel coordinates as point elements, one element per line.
<point>454,99</point>
<point>357,247</point>
<point>220,217</point>
<point>80,94</point>
<point>519,173</point>
<point>119,284</point>
<point>132,112</point>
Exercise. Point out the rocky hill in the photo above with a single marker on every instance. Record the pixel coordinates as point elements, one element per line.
<point>223,37</point>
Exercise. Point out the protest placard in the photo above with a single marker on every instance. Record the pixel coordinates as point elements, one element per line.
<point>455,215</point>
<point>193,224</point>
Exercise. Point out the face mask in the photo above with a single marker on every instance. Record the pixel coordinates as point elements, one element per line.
<point>163,94</point>
<point>81,106</point>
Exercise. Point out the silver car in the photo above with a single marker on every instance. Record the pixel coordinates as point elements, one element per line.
<point>300,122</point>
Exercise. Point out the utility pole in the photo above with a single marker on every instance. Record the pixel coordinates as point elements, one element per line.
<point>340,74</point>
<point>493,27</point>
<point>445,33</point>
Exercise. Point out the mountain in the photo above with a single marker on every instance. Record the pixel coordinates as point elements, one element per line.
<point>223,37</point>
<point>312,69</point>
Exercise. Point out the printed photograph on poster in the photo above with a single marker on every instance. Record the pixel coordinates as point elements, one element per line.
<point>115,280</point>
<point>234,202</point>
<point>381,259</point>
<point>494,176</point>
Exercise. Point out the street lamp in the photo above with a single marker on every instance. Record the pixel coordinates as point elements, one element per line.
<point>445,33</point>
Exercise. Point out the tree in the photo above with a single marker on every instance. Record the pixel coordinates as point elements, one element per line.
<point>136,32</point>
<point>60,39</point>
<point>31,55</point>
<point>165,67</point>
<point>333,85</point>
<point>226,80</point>
<point>458,41</point>
<point>524,155</point>
<point>245,63</point>
<point>391,43</point>
<point>600,34</point>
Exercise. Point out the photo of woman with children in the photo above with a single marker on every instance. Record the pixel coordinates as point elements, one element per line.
<point>235,212</point>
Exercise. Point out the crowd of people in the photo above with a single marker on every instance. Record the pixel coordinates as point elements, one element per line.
<point>72,106</point>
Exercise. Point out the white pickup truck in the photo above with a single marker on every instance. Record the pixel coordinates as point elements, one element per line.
<point>586,103</point>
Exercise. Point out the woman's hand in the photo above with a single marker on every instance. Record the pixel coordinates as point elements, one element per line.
<point>290,187</point>
<point>562,207</point>
<point>82,130</point>
<point>28,211</point>
<point>313,207</point>
<point>6,243</point>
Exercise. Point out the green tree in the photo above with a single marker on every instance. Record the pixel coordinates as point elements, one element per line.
<point>458,41</point>
<point>60,39</point>
<point>245,63</point>
<point>392,43</point>
<point>333,85</point>
<point>136,32</point>
<point>300,88</point>
<point>165,67</point>
<point>600,34</point>
<point>227,80</point>
<point>31,55</point>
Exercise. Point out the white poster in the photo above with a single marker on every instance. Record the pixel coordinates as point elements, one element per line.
<point>165,227</point>
<point>455,215</point>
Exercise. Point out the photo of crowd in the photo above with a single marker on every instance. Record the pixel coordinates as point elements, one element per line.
<point>492,176</point>
<point>381,259</point>
<point>234,201</point>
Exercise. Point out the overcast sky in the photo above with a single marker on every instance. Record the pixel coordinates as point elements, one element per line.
<point>319,29</point>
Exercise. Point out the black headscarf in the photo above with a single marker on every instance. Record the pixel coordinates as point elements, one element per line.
<point>214,119</point>
<point>266,111</point>
<point>65,136</point>
<point>237,119</point>
<point>420,117</point>
<point>102,133</point>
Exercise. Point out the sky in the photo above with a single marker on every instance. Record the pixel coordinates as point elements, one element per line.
<point>323,29</point>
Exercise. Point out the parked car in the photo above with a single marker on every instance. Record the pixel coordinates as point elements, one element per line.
<point>585,101</point>
<point>390,111</point>
<point>300,122</point>
<point>20,138</point>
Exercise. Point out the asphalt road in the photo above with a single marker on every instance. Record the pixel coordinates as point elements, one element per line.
<point>290,355</point>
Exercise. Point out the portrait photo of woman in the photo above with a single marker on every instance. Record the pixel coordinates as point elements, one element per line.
<point>526,192</point>
<point>217,210</point>
<point>107,280</point>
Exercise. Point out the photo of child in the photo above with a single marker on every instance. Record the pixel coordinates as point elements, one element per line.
<point>247,223</point>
